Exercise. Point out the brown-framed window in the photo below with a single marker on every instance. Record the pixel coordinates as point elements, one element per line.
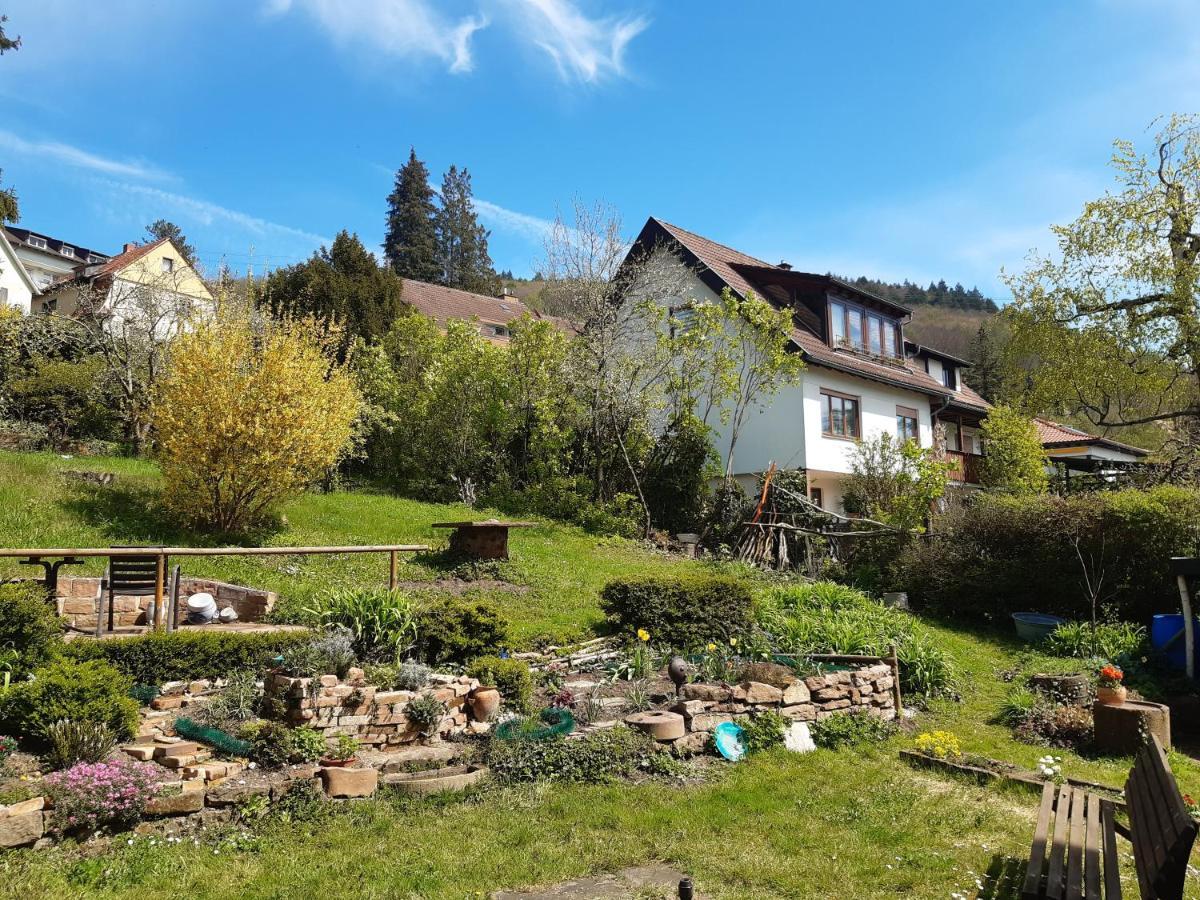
<point>908,425</point>
<point>841,415</point>
<point>869,332</point>
<point>949,378</point>
<point>814,495</point>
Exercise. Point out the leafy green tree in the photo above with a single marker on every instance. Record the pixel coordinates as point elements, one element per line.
<point>462,243</point>
<point>7,43</point>
<point>67,397</point>
<point>1013,459</point>
<point>161,228</point>
<point>410,244</point>
<point>10,208</point>
<point>343,284</point>
<point>894,483</point>
<point>1109,327</point>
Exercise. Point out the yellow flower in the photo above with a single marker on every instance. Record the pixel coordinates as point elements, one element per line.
<point>711,647</point>
<point>643,635</point>
<point>733,642</point>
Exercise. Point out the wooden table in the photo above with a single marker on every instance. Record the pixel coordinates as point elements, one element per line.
<point>481,540</point>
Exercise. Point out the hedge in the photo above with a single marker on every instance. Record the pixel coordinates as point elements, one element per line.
<point>682,612</point>
<point>184,655</point>
<point>1000,554</point>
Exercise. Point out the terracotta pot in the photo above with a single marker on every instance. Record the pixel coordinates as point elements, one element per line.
<point>331,763</point>
<point>1111,696</point>
<point>485,703</point>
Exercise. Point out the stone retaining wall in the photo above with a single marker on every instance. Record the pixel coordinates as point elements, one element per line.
<point>377,718</point>
<point>77,601</point>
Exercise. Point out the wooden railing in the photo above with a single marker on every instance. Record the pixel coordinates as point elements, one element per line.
<point>966,466</point>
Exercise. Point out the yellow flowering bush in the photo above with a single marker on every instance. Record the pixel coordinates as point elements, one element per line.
<point>248,415</point>
<point>939,744</point>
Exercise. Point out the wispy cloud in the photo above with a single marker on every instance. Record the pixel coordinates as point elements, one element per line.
<point>530,227</point>
<point>210,214</point>
<point>409,29</point>
<point>80,159</point>
<point>582,48</point>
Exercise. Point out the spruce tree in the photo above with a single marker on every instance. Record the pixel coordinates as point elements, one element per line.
<point>462,243</point>
<point>410,244</point>
<point>161,228</point>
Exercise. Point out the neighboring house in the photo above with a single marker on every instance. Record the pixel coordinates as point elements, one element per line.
<point>1071,452</point>
<point>862,377</point>
<point>493,315</point>
<point>48,259</point>
<point>17,287</point>
<point>150,283</point>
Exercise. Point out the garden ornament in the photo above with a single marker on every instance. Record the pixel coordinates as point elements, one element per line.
<point>677,670</point>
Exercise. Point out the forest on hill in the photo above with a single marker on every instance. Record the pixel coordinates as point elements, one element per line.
<point>937,294</point>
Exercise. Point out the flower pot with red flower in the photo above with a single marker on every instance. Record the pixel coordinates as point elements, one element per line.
<point>1111,691</point>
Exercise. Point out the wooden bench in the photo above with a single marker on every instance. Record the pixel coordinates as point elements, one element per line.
<point>1074,852</point>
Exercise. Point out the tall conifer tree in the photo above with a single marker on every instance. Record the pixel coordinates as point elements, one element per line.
<point>462,243</point>
<point>410,244</point>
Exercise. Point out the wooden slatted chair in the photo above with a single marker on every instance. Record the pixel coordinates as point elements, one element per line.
<point>129,576</point>
<point>1074,854</point>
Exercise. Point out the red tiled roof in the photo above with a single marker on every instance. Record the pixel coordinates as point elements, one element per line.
<point>722,260</point>
<point>442,303</point>
<point>1054,434</point>
<point>112,266</point>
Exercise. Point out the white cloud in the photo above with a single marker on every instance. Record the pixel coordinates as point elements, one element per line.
<point>410,29</point>
<point>77,158</point>
<point>582,48</point>
<point>523,224</point>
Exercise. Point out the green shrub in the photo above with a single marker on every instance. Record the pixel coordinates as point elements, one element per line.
<point>510,676</point>
<point>598,757</point>
<point>273,745</point>
<point>72,742</point>
<point>85,692</point>
<point>383,622</point>
<point>184,655</point>
<point>328,652</point>
<point>999,554</point>
<point>457,630</point>
<point>308,744</point>
<point>426,713</point>
<point>850,729</point>
<point>824,617</point>
<point>28,625</point>
<point>681,612</point>
<point>764,731</point>
<point>237,702</point>
<point>1109,640</point>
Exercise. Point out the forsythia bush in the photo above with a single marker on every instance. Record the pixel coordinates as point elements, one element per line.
<point>248,415</point>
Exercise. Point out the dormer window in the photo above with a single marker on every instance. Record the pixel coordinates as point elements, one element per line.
<point>949,376</point>
<point>67,251</point>
<point>34,241</point>
<point>863,330</point>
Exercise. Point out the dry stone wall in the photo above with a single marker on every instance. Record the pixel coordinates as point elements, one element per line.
<point>78,602</point>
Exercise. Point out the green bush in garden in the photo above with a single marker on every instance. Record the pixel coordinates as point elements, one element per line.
<point>679,611</point>
<point>84,692</point>
<point>510,676</point>
<point>184,655</point>
<point>598,757</point>
<point>30,629</point>
<point>457,630</point>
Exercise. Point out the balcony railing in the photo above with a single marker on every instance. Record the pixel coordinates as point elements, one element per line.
<point>966,466</point>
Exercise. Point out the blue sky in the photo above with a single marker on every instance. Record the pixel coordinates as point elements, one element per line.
<point>917,139</point>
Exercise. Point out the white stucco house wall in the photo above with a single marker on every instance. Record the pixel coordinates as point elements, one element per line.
<point>48,259</point>
<point>862,377</point>
<point>17,287</point>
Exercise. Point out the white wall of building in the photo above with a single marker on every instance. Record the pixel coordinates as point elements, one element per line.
<point>14,289</point>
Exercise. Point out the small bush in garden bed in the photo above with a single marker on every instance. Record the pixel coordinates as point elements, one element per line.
<point>1109,640</point>
<point>510,676</point>
<point>274,745</point>
<point>1056,726</point>
<point>680,611</point>
<point>29,627</point>
<point>426,713</point>
<point>84,692</point>
<point>88,796</point>
<point>598,757</point>
<point>184,655</point>
<point>383,622</point>
<point>73,742</point>
<point>849,729</point>
<point>939,744</point>
<point>327,652</point>
<point>405,676</point>
<point>457,630</point>
<point>764,731</point>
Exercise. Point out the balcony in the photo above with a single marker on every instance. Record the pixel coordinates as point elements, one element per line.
<point>966,466</point>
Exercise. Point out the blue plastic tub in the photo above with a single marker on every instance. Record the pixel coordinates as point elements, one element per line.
<point>1035,627</point>
<point>1163,629</point>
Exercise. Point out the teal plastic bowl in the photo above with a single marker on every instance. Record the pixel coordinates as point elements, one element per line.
<point>1035,627</point>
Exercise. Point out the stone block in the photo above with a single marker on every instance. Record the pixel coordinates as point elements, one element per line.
<point>443,695</point>
<point>884,683</point>
<point>140,752</point>
<point>176,804</point>
<point>757,693</point>
<point>328,681</point>
<point>339,782</point>
<point>796,692</point>
<point>711,692</point>
<point>692,743</point>
<point>230,792</point>
<point>22,830</point>
<point>814,682</point>
<point>355,676</point>
<point>833,705</point>
<point>830,693</point>
<point>167,702</point>
<point>37,804</point>
<point>707,721</point>
<point>801,712</point>
<point>690,707</point>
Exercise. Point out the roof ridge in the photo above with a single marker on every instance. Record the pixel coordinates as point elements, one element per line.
<point>674,228</point>
<point>446,287</point>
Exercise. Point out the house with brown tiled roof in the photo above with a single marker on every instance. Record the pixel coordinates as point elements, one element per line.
<point>493,315</point>
<point>1071,452</point>
<point>862,376</point>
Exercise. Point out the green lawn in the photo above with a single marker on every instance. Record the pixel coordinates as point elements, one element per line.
<point>848,824</point>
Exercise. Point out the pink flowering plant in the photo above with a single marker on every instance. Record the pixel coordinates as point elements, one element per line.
<point>8,746</point>
<point>88,796</point>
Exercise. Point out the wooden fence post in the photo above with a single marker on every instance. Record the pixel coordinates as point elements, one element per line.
<point>160,576</point>
<point>392,574</point>
<point>894,662</point>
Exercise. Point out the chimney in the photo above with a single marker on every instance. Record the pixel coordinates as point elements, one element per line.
<point>786,266</point>
<point>506,293</point>
<point>128,247</point>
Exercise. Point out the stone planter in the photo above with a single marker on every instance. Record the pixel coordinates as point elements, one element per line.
<point>658,723</point>
<point>484,702</point>
<point>448,778</point>
<point>344,783</point>
<point>1109,696</point>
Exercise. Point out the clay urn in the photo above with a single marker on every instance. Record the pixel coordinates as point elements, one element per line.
<point>484,702</point>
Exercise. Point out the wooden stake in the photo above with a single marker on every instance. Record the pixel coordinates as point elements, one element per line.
<point>894,662</point>
<point>160,576</point>
<point>392,579</point>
